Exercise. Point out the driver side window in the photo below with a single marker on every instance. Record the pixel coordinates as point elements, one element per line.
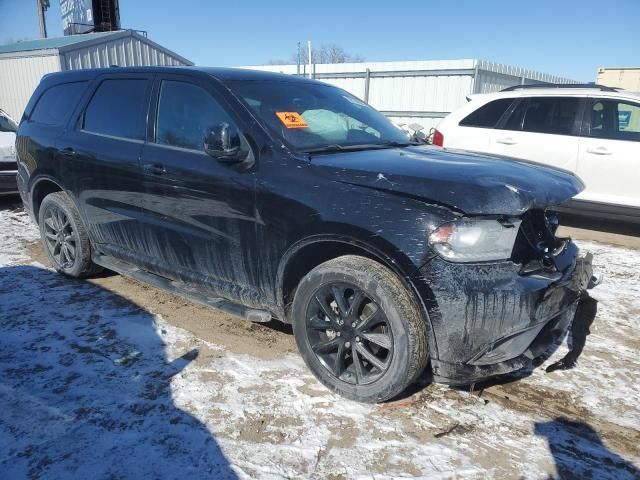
<point>186,112</point>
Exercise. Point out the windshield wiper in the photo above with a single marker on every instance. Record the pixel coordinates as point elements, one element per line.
<point>363,146</point>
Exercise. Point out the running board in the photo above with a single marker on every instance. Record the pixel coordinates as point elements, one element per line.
<point>181,289</point>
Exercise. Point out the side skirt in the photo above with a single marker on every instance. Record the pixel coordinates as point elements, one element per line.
<point>180,288</point>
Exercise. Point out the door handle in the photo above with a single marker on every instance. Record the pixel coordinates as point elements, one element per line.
<point>599,151</point>
<point>68,152</point>
<point>506,141</point>
<point>155,169</point>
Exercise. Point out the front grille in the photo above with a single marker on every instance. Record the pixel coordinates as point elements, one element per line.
<point>536,241</point>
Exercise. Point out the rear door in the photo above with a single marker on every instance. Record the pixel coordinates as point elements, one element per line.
<point>199,213</point>
<point>541,129</point>
<point>609,153</point>
<point>102,151</point>
<point>473,132</point>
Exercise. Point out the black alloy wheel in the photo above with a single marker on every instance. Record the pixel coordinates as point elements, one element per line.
<point>60,238</point>
<point>349,333</point>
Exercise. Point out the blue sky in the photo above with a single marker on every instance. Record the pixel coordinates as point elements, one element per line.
<point>565,37</point>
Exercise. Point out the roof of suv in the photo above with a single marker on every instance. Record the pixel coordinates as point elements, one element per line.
<point>221,73</point>
<point>564,91</point>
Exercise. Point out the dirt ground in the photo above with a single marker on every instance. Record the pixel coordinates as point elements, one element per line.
<point>579,424</point>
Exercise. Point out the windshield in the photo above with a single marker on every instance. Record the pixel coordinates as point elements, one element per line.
<point>6,124</point>
<point>315,117</point>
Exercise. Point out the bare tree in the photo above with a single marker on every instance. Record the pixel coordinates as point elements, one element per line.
<point>329,53</point>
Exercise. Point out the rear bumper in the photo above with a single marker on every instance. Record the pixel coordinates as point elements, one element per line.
<point>491,320</point>
<point>8,182</point>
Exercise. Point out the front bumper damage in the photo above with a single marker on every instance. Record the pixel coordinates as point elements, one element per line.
<point>491,320</point>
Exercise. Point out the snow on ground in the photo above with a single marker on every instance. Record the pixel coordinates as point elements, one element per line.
<point>95,386</point>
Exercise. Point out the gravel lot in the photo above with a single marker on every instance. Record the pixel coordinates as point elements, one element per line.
<point>109,378</point>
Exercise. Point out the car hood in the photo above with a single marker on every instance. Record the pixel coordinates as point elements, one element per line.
<point>7,150</point>
<point>466,182</point>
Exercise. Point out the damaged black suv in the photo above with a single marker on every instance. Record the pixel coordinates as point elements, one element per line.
<point>272,196</point>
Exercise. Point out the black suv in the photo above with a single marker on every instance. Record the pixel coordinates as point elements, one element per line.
<point>268,195</point>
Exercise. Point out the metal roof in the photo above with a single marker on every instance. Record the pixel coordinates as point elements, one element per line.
<point>54,43</point>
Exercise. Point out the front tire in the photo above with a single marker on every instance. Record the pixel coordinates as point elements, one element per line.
<point>358,329</point>
<point>64,236</point>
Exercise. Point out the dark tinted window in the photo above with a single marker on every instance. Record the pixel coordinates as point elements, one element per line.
<point>118,108</point>
<point>514,122</point>
<point>615,120</point>
<point>551,115</point>
<point>488,115</point>
<point>7,125</point>
<point>56,104</point>
<point>185,113</point>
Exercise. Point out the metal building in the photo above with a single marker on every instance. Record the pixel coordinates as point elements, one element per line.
<point>420,92</point>
<point>23,64</point>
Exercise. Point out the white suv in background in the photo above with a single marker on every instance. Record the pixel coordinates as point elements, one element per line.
<point>590,130</point>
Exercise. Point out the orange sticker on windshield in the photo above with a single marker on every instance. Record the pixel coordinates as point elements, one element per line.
<point>292,119</point>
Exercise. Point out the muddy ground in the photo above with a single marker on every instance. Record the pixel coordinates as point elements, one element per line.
<point>269,417</point>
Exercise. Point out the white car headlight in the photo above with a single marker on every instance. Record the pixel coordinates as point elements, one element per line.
<point>475,240</point>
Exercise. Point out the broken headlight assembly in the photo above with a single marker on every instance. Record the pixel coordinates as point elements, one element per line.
<point>475,240</point>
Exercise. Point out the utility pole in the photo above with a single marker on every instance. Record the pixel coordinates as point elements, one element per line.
<point>310,61</point>
<point>298,67</point>
<point>41,7</point>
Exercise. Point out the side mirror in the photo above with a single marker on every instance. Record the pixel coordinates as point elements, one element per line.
<point>224,143</point>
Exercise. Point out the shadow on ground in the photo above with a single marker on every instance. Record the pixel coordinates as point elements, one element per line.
<point>85,387</point>
<point>578,452</point>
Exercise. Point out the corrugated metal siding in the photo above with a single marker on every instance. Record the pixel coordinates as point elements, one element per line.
<point>420,92</point>
<point>20,76</point>
<point>124,52</point>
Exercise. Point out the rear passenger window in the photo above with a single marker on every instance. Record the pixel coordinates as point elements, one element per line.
<point>185,113</point>
<point>488,115</point>
<point>117,108</point>
<point>555,115</point>
<point>56,104</point>
<point>615,120</point>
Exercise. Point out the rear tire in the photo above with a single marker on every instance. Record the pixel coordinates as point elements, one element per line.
<point>64,236</point>
<point>359,329</point>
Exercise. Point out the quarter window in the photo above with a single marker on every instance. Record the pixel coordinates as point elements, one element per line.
<point>118,109</point>
<point>186,113</point>
<point>488,115</point>
<point>615,120</point>
<point>56,103</point>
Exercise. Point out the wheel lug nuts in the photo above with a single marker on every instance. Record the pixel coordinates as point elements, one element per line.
<point>338,333</point>
<point>357,339</point>
<point>353,324</point>
<point>348,344</point>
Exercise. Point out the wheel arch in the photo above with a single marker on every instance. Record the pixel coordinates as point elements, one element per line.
<point>308,253</point>
<point>40,188</point>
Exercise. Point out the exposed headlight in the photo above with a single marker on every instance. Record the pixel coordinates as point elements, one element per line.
<point>475,240</point>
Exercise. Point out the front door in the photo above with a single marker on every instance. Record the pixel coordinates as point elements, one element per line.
<point>609,158</point>
<point>199,213</point>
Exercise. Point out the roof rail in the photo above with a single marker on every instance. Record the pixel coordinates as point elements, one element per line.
<point>604,88</point>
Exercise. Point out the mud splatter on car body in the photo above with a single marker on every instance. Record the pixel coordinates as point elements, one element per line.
<point>247,232</point>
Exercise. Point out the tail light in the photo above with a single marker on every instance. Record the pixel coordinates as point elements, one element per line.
<point>438,138</point>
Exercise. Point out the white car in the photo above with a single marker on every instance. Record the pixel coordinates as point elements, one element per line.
<point>590,130</point>
<point>8,165</point>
